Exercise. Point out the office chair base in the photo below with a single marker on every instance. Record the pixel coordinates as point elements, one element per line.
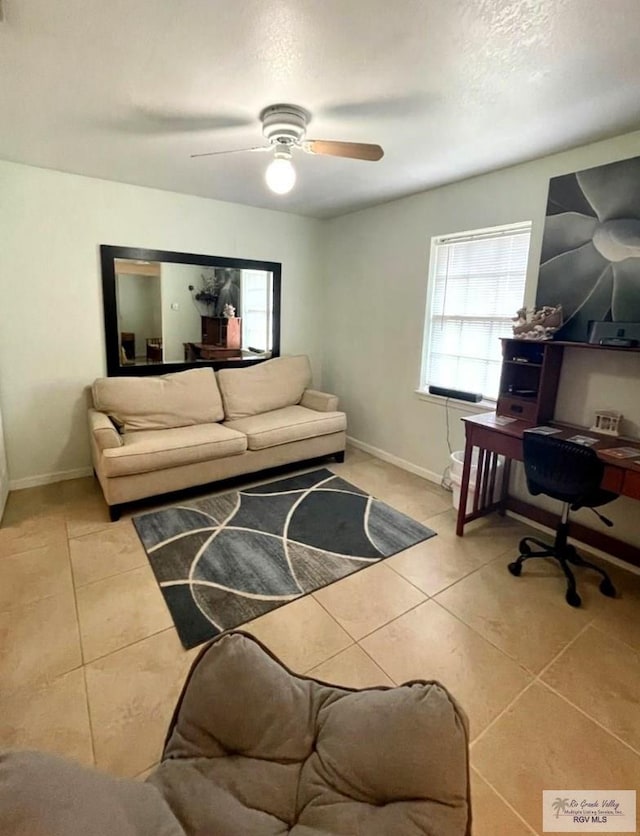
<point>572,598</point>
<point>565,554</point>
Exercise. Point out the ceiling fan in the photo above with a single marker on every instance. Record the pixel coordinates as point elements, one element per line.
<point>284,127</point>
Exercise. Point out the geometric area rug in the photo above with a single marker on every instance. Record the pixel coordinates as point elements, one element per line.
<point>224,560</point>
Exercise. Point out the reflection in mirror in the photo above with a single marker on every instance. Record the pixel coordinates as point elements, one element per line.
<point>138,294</point>
<point>164,310</point>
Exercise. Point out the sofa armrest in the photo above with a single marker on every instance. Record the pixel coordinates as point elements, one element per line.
<point>320,401</point>
<point>103,430</point>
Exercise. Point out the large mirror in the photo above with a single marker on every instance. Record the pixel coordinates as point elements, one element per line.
<point>166,311</point>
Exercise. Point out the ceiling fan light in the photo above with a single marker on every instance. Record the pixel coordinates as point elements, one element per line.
<point>280,175</point>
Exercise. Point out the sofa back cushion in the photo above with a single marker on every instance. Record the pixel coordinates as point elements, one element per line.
<point>159,403</point>
<point>270,385</point>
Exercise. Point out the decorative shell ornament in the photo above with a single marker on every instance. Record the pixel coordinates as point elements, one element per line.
<point>537,325</point>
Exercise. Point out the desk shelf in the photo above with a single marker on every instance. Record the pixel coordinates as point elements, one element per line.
<point>529,380</point>
<point>593,346</point>
<point>520,364</point>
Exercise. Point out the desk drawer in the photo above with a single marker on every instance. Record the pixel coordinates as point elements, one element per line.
<point>631,485</point>
<point>501,443</point>
<point>612,479</point>
<point>517,408</point>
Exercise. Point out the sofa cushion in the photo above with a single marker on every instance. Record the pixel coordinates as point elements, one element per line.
<point>180,399</point>
<point>293,423</point>
<point>255,749</point>
<point>264,387</point>
<point>148,450</point>
<point>46,795</point>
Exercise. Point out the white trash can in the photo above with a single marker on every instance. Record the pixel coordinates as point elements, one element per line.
<point>455,473</point>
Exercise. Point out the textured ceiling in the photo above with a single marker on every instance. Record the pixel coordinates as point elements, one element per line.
<point>126,90</point>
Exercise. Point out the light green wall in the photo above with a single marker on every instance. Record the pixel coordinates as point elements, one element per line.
<point>52,333</point>
<point>376,268</point>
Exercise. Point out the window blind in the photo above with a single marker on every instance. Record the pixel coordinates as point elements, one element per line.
<point>478,284</point>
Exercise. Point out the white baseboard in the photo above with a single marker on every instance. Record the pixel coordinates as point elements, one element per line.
<point>3,502</point>
<point>389,457</point>
<point>49,478</point>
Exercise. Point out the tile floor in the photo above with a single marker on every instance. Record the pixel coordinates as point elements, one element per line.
<point>91,666</point>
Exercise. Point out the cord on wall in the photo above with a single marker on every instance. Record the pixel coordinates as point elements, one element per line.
<point>446,478</point>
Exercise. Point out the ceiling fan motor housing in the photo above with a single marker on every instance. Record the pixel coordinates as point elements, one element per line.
<point>284,124</point>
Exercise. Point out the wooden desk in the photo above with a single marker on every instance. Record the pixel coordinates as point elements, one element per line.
<point>493,439</point>
<point>154,350</point>
<point>205,351</point>
<point>128,343</point>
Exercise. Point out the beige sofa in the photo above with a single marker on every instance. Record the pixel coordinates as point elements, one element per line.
<point>153,435</point>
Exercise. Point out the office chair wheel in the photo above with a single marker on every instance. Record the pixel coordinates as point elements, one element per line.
<point>515,568</point>
<point>607,588</point>
<point>573,599</point>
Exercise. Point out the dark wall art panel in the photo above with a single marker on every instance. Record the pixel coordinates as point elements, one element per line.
<point>590,262</point>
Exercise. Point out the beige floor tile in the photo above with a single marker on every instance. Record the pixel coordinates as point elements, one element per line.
<point>406,492</point>
<point>351,668</point>
<point>488,537</point>
<point>79,489</point>
<point>52,717</point>
<point>430,643</point>
<point>355,454</point>
<point>491,816</point>
<point>30,533</point>
<point>542,742</point>
<point>435,564</point>
<point>601,675</point>
<point>132,694</point>
<point>619,617</point>
<point>120,610</point>
<point>366,600</point>
<point>38,642</point>
<point>419,501</point>
<point>526,617</point>
<point>345,470</point>
<point>31,503</point>
<point>29,576</point>
<point>301,634</point>
<point>353,457</point>
<point>85,515</point>
<point>107,552</point>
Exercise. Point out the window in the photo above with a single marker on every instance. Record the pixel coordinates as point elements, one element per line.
<point>476,285</point>
<point>256,309</point>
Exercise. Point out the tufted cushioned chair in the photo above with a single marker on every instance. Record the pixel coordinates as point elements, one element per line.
<point>255,750</point>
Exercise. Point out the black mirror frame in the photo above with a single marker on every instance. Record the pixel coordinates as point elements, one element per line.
<point>108,256</point>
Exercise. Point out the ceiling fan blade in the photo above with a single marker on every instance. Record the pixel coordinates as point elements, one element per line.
<point>233,151</point>
<point>353,150</point>
<point>398,107</point>
<point>144,121</point>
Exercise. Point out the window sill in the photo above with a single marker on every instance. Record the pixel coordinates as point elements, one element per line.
<point>470,407</point>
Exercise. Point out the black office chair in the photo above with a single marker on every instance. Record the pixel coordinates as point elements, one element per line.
<point>571,473</point>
